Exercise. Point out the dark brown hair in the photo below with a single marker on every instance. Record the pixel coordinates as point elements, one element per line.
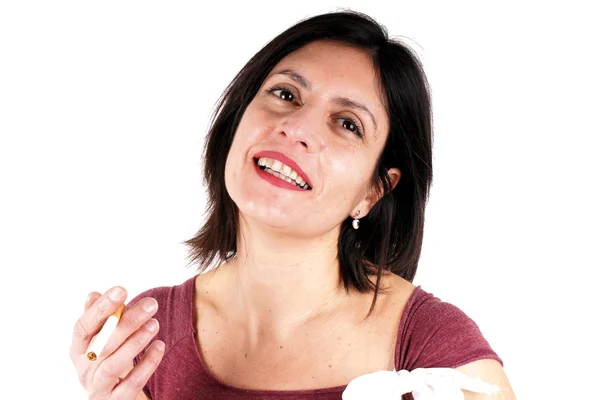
<point>391,235</point>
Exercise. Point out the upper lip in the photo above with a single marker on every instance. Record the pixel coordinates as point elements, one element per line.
<point>285,160</point>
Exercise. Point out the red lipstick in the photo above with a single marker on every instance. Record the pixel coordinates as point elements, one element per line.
<point>284,160</point>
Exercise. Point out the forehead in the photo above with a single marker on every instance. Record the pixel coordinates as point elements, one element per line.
<point>337,69</point>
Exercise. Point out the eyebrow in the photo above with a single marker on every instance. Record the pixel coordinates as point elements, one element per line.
<point>296,77</point>
<point>346,102</point>
<point>341,101</point>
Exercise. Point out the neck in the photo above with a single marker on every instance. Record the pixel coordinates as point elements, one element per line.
<point>281,281</point>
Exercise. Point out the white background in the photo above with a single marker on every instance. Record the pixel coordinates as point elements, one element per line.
<point>103,110</point>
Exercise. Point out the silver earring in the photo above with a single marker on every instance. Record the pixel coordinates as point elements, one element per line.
<point>356,222</point>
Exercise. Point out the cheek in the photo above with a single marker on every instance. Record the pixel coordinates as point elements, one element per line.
<point>348,176</point>
<point>249,132</point>
<point>253,127</point>
<point>255,123</point>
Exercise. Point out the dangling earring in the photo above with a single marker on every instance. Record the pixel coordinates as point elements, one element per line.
<point>356,222</point>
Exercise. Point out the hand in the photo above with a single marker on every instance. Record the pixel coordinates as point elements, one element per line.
<point>112,376</point>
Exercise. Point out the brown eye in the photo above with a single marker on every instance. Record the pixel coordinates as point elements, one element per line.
<point>282,93</point>
<point>352,126</point>
<point>347,124</point>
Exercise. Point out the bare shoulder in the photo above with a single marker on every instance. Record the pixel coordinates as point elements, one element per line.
<point>489,371</point>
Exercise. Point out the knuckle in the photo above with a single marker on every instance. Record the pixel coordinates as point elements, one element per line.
<point>131,319</point>
<point>109,369</point>
<point>137,381</point>
<point>80,331</point>
<point>153,360</point>
<point>103,307</point>
<point>141,339</point>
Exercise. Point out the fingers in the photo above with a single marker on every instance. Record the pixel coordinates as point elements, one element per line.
<point>114,366</point>
<point>131,321</point>
<point>94,317</point>
<point>133,332</point>
<point>136,379</point>
<point>91,299</point>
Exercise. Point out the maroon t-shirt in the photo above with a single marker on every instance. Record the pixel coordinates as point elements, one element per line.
<point>432,333</point>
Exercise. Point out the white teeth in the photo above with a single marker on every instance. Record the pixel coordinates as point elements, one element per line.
<point>282,171</point>
<point>276,165</point>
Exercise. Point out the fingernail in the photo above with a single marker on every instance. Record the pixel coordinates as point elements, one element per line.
<point>149,305</point>
<point>116,294</point>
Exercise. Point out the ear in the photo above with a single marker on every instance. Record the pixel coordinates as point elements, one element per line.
<point>375,194</point>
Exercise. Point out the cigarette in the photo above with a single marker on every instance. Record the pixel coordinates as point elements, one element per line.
<point>101,338</point>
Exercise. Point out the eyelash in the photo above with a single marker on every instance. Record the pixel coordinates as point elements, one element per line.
<point>358,131</point>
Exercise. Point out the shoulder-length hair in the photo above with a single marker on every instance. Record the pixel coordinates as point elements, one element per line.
<point>391,235</point>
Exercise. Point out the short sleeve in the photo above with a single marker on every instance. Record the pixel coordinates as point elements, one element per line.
<point>439,334</point>
<point>174,316</point>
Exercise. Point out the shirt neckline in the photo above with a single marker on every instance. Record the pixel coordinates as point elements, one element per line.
<point>190,286</point>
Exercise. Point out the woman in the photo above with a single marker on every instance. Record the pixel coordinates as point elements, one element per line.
<point>318,165</point>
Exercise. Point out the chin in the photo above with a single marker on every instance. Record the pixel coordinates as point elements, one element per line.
<point>268,214</point>
<point>265,204</point>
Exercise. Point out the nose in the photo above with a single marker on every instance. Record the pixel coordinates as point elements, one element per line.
<point>300,127</point>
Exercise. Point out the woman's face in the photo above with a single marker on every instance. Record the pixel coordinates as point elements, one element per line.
<point>306,147</point>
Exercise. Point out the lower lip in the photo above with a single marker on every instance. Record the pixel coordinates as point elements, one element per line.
<point>276,181</point>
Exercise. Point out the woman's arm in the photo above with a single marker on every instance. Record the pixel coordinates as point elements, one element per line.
<point>489,371</point>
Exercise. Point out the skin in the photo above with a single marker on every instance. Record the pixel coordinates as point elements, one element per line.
<point>313,132</point>
<point>279,304</point>
<point>112,375</point>
<point>287,267</point>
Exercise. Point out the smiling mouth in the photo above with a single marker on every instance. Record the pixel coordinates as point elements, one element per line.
<point>281,171</point>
